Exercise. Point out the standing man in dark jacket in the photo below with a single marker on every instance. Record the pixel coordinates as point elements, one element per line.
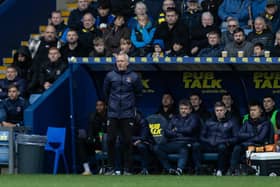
<point>217,135</point>
<point>181,133</point>
<point>120,89</point>
<point>254,131</point>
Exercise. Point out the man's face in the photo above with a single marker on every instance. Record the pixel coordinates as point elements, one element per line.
<point>239,37</point>
<point>122,62</point>
<point>268,104</point>
<point>103,11</point>
<point>232,25</point>
<point>171,17</point>
<point>56,18</point>
<point>83,4</point>
<point>227,100</point>
<point>206,20</point>
<point>195,100</point>
<point>220,112</point>
<point>255,112</point>
<point>21,57</point>
<point>271,9</point>
<point>72,37</point>
<point>13,93</point>
<point>54,55</point>
<point>168,4</point>
<point>185,110</point>
<point>213,39</point>
<point>11,74</point>
<point>259,25</point>
<point>100,107</point>
<point>88,21</point>
<point>167,100</point>
<point>49,34</point>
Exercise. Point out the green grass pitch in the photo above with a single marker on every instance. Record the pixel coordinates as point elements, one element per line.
<point>136,180</point>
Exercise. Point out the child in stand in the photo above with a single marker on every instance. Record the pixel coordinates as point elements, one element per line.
<point>158,49</point>
<point>99,48</point>
<point>258,50</point>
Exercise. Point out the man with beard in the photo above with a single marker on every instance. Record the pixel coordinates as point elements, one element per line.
<point>73,47</point>
<point>239,44</point>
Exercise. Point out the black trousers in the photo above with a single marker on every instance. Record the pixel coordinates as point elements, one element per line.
<point>123,129</point>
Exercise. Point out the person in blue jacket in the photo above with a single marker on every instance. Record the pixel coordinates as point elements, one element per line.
<point>182,131</point>
<point>121,86</point>
<point>237,9</point>
<point>218,135</point>
<point>254,131</point>
<point>12,108</point>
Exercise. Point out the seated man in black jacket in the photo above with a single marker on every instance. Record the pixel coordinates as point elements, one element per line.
<point>217,135</point>
<point>181,133</point>
<point>89,141</point>
<point>254,131</point>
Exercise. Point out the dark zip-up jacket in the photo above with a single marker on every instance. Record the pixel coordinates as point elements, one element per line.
<point>184,129</point>
<point>120,90</point>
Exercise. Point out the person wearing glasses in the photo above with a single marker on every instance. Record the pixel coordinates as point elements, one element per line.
<point>227,35</point>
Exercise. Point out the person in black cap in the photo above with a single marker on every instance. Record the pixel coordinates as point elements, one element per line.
<point>272,15</point>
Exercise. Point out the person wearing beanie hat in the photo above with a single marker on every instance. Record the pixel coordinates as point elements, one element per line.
<point>158,49</point>
<point>272,15</point>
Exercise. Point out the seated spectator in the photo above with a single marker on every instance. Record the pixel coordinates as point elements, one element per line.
<point>127,47</point>
<point>218,135</point>
<point>52,69</point>
<point>258,50</point>
<point>237,9</point>
<point>272,113</point>
<point>167,108</point>
<point>76,15</point>
<point>88,32</point>
<point>227,36</point>
<point>213,7</point>
<point>142,142</point>
<point>12,78</point>
<point>23,62</point>
<point>181,133</point>
<point>104,18</point>
<point>142,35</point>
<point>191,16</point>
<point>198,35</point>
<point>261,34</point>
<point>254,132</point>
<point>232,109</point>
<point>12,108</point>
<point>113,34</point>
<point>171,29</point>
<point>257,8</point>
<point>99,48</point>
<point>39,50</point>
<point>90,139</point>
<point>177,49</point>
<point>73,48</point>
<point>61,29</point>
<point>214,48</point>
<point>239,44</point>
<point>165,5</point>
<point>272,15</point>
<point>158,49</point>
<point>275,51</point>
<point>140,9</point>
<point>198,107</point>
